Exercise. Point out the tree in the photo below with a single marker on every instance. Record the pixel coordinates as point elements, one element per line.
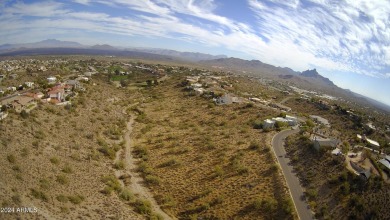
<point>149,82</point>
<point>124,82</point>
<point>282,114</point>
<point>155,82</point>
<point>24,114</point>
<point>310,123</point>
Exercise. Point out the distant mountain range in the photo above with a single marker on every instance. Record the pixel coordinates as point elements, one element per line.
<point>42,44</point>
<point>309,79</point>
<point>19,49</point>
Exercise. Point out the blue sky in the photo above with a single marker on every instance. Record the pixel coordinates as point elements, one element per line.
<point>347,41</point>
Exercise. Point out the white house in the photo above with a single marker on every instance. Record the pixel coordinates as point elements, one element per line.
<point>320,119</point>
<point>29,84</point>
<point>372,143</point>
<point>255,99</point>
<point>196,85</point>
<point>51,79</point>
<point>385,162</point>
<point>11,88</point>
<point>199,91</point>
<point>267,124</point>
<point>3,115</point>
<point>291,120</point>
<point>319,143</point>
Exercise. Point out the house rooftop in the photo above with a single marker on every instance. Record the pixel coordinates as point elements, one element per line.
<point>372,142</point>
<point>385,162</point>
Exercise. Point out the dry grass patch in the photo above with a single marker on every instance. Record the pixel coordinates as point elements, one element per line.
<point>189,144</point>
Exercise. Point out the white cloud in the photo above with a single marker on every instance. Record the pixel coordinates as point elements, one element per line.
<point>351,34</point>
<point>83,2</point>
<point>40,9</point>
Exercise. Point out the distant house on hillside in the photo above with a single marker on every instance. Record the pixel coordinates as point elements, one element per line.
<point>320,143</point>
<point>19,102</point>
<point>51,79</point>
<point>268,124</point>
<point>370,142</point>
<point>385,162</point>
<point>320,119</point>
<point>29,84</point>
<point>365,174</point>
<point>57,93</point>
<point>224,100</point>
<point>73,83</point>
<point>3,115</point>
<point>280,106</point>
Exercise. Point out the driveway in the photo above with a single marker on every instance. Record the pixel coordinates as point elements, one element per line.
<point>292,180</point>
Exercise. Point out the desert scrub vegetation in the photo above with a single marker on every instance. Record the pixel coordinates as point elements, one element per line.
<point>198,143</point>
<point>11,158</point>
<point>39,195</point>
<point>54,160</point>
<point>143,206</point>
<point>126,195</point>
<point>112,184</point>
<point>76,199</point>
<point>62,179</point>
<point>119,165</point>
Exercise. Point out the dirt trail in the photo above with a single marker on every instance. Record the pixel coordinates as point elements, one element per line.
<point>136,185</point>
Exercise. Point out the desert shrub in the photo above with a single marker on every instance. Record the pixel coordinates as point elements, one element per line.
<point>143,206</point>
<point>144,168</point>
<point>62,179</point>
<point>126,195</point>
<point>16,199</point>
<point>151,179</point>
<point>170,162</point>
<point>107,151</point>
<point>35,144</point>
<point>44,183</point>
<point>24,114</point>
<point>345,188</point>
<point>77,199</point>
<point>39,195</point>
<point>257,124</point>
<point>16,168</point>
<point>155,216</point>
<point>54,160</point>
<point>140,152</point>
<point>218,171</point>
<point>11,158</point>
<point>62,198</point>
<point>112,182</point>
<point>67,169</point>
<point>287,207</point>
<point>273,168</point>
<point>311,194</point>
<point>119,165</point>
<point>107,190</point>
<point>25,152</point>
<point>254,146</point>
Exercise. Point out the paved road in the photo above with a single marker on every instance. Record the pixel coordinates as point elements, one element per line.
<point>296,191</point>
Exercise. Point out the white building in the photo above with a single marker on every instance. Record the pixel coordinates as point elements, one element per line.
<point>29,84</point>
<point>268,124</point>
<point>372,143</point>
<point>291,120</point>
<point>51,79</point>
<point>385,162</point>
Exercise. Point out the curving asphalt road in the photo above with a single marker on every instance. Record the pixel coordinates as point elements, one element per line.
<point>296,190</point>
